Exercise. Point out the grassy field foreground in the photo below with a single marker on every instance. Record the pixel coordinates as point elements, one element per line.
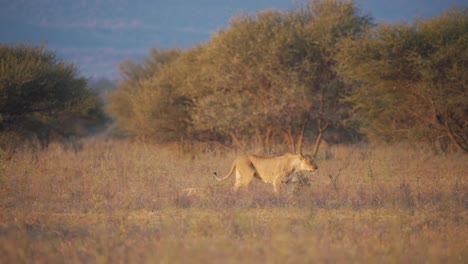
<point>124,202</point>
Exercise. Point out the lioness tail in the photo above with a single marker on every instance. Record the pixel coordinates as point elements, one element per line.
<point>228,175</point>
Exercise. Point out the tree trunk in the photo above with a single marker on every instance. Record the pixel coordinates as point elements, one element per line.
<point>264,140</point>
<point>440,122</point>
<point>258,135</point>
<point>300,139</point>
<point>319,138</point>
<point>289,139</point>
<point>267,143</point>
<point>457,140</point>
<point>236,141</point>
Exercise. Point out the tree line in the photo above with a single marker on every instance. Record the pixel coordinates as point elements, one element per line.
<point>278,76</point>
<point>322,70</point>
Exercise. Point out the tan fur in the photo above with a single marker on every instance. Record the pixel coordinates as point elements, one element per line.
<point>274,170</point>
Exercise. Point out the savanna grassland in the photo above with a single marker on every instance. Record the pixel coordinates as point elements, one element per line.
<point>128,202</point>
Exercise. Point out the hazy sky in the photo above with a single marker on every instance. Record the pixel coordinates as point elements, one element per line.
<point>97,34</point>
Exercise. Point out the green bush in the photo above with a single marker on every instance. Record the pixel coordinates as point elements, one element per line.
<point>40,95</point>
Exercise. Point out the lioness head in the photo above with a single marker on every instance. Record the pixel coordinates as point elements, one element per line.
<point>307,163</point>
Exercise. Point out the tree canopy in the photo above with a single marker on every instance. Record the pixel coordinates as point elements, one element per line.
<point>412,80</point>
<point>146,103</point>
<point>39,92</point>
<point>264,76</point>
<point>278,75</point>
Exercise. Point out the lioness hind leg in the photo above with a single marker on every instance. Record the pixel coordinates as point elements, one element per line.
<point>236,186</point>
<point>237,182</point>
<point>243,177</point>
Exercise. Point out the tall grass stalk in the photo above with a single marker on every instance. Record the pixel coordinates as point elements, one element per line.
<point>122,201</point>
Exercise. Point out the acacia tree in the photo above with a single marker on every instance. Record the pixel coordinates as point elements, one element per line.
<point>264,76</point>
<point>146,103</point>
<point>273,71</point>
<point>327,24</point>
<point>413,80</point>
<point>249,90</point>
<point>39,93</point>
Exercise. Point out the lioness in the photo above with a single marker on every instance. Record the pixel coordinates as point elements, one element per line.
<point>273,170</point>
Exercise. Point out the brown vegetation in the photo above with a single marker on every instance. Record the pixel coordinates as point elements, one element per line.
<point>122,201</point>
<point>280,77</point>
<point>270,81</point>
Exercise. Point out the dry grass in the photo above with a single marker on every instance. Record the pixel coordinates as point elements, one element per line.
<point>121,202</point>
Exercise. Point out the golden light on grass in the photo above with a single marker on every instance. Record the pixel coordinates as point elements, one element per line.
<point>124,202</point>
